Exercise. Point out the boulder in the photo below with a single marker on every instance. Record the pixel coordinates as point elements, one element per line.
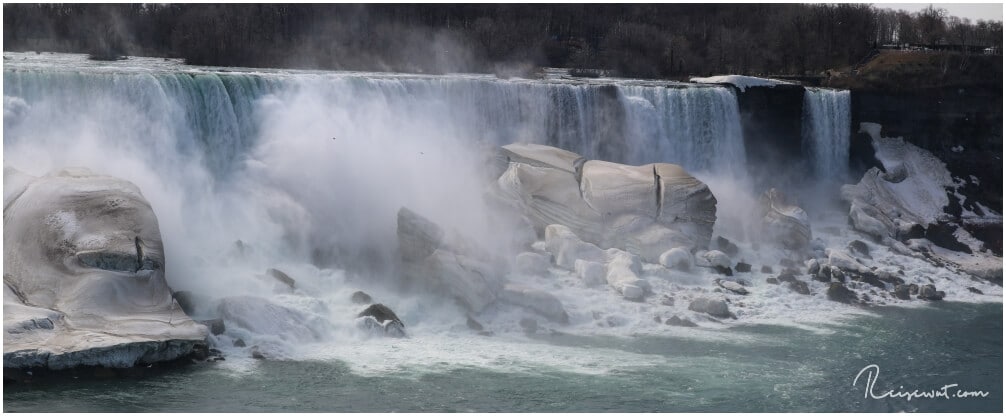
<point>676,321</point>
<point>539,301</point>
<point>262,316</point>
<point>447,263</point>
<point>782,223</point>
<point>772,281</point>
<point>787,277</point>
<point>732,286</point>
<point>715,307</point>
<point>534,264</point>
<point>859,249</point>
<point>929,292</point>
<point>813,267</point>
<point>767,269</point>
<point>216,326</point>
<point>743,267</point>
<point>361,298</point>
<point>622,274</point>
<point>727,247</point>
<point>567,248</point>
<point>799,287</point>
<point>975,291</point>
<point>676,258</point>
<point>281,277</point>
<point>84,278</point>
<point>713,258</point>
<point>902,292</point>
<point>839,293</point>
<point>591,273</point>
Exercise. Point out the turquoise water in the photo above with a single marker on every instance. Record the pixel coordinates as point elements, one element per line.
<point>773,369</point>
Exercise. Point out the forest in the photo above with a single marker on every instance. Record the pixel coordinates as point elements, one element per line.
<point>636,40</point>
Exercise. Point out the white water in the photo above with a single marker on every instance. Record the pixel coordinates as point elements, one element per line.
<point>827,123</point>
<point>308,169</point>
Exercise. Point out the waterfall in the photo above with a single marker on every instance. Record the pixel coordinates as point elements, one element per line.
<point>826,130</point>
<point>215,116</point>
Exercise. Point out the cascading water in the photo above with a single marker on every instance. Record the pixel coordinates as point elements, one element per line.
<point>827,122</point>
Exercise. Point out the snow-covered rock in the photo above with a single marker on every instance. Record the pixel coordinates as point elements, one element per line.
<point>644,209</point>
<point>676,258</point>
<point>84,275</point>
<point>742,82</point>
<point>591,273</point>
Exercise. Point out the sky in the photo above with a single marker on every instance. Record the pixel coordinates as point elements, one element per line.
<point>973,11</point>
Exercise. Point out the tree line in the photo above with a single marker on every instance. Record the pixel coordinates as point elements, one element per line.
<point>638,40</point>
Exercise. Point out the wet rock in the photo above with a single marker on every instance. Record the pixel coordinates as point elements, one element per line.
<point>787,277</point>
<point>929,292</point>
<point>975,291</point>
<point>256,353</point>
<point>910,231</point>
<point>799,287</point>
<point>281,277</point>
<point>381,313</point>
<point>216,326</point>
<point>676,321</point>
<point>859,248</point>
<point>361,298</point>
<point>713,258</point>
<point>838,274</point>
<point>667,300</point>
<point>767,269</point>
<point>657,320</point>
<point>913,289</point>
<point>823,274</point>
<point>743,267</point>
<point>782,222</point>
<point>772,281</point>
<point>732,286</point>
<point>870,279</point>
<point>727,247</point>
<point>723,270</point>
<point>536,300</point>
<point>240,343</point>
<point>813,267</point>
<point>902,292</point>
<point>714,307</point>
<point>888,277</point>
<point>839,293</point>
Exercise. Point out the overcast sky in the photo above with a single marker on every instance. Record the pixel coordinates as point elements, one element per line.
<point>973,11</point>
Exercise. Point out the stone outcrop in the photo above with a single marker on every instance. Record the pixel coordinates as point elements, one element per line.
<point>84,276</point>
<point>783,223</point>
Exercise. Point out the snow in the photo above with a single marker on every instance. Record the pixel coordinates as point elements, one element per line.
<point>742,82</point>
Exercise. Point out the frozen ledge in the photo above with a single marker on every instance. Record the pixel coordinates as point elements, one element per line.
<point>741,81</point>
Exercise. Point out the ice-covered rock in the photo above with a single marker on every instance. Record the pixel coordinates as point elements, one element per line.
<point>446,263</point>
<point>622,274</point>
<point>642,209</point>
<point>783,223</point>
<point>714,307</point>
<point>567,247</point>
<point>713,258</point>
<point>262,316</point>
<point>676,258</point>
<point>84,276</point>
<point>732,286</point>
<point>591,273</point>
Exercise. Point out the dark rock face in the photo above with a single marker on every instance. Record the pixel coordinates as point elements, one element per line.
<point>839,293</point>
<point>723,270</point>
<point>929,292</point>
<point>361,298</point>
<point>912,232</point>
<point>859,248</point>
<point>902,292</point>
<point>870,279</point>
<point>743,267</point>
<point>772,281</point>
<point>766,269</point>
<point>799,287</point>
<point>787,277</point>
<point>771,123</point>
<point>676,321</point>
<point>726,246</point>
<point>216,326</point>
<point>240,343</point>
<point>938,120</point>
<point>942,234</point>
<point>975,291</point>
<point>381,313</point>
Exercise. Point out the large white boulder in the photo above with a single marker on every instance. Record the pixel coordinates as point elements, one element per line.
<point>676,258</point>
<point>84,276</point>
<point>567,247</point>
<point>642,209</point>
<point>591,273</point>
<point>782,222</point>
<point>622,274</point>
